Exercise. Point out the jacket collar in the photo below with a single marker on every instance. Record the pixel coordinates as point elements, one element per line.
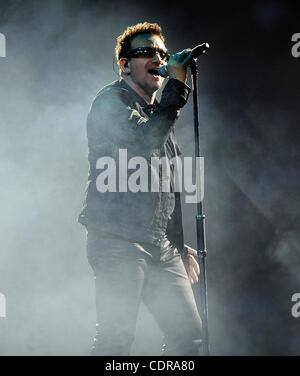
<point>136,96</point>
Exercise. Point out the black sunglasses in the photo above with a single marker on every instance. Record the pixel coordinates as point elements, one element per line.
<point>148,52</point>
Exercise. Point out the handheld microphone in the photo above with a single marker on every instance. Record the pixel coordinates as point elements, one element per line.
<point>196,51</point>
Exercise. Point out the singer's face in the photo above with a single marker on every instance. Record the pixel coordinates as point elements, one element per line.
<point>139,67</point>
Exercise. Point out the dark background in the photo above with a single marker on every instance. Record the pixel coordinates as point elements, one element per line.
<point>59,54</point>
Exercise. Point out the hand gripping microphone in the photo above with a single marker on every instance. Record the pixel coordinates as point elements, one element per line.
<point>196,51</point>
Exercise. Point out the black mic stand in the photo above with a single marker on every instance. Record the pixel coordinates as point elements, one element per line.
<point>200,218</point>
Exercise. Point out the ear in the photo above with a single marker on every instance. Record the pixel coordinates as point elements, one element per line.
<point>125,65</point>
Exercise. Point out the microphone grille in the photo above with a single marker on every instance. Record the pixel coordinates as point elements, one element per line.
<point>163,72</point>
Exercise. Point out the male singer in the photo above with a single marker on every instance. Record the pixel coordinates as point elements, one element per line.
<point>135,237</point>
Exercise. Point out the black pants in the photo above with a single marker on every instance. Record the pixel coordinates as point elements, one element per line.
<point>127,273</point>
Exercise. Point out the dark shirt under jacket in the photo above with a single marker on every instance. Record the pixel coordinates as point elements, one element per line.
<point>120,119</point>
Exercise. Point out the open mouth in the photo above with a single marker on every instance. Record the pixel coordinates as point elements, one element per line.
<point>154,72</point>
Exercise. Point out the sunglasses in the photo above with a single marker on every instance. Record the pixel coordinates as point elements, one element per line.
<point>148,52</point>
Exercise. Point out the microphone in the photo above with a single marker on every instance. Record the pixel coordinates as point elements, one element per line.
<point>196,51</point>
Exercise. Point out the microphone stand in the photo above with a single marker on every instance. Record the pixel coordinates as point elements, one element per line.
<point>200,218</point>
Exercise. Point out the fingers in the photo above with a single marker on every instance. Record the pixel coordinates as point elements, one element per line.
<point>194,264</point>
<point>176,66</point>
<point>182,56</point>
<point>193,269</point>
<point>187,59</point>
<point>190,250</point>
<point>193,277</point>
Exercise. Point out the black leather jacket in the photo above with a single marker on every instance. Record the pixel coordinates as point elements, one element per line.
<point>120,119</point>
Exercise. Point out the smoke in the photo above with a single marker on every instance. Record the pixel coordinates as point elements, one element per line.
<point>47,85</point>
<point>58,55</point>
